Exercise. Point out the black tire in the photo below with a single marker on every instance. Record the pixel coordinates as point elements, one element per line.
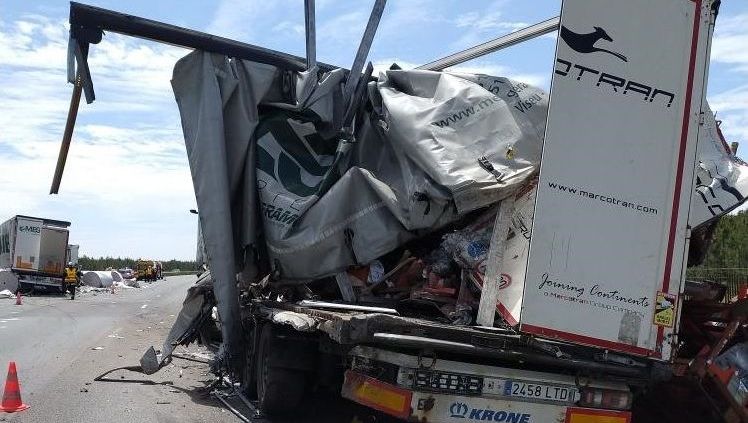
<point>279,390</point>
<point>25,288</point>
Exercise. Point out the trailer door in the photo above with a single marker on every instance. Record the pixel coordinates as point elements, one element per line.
<point>7,235</point>
<point>610,224</point>
<point>53,250</point>
<point>27,243</point>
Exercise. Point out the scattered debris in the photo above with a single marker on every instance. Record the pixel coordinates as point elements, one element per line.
<point>198,355</point>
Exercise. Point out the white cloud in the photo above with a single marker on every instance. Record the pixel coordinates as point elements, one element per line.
<point>489,21</point>
<point>286,26</point>
<point>732,109</point>
<point>731,40</point>
<point>486,68</point>
<point>729,49</point>
<point>127,167</point>
<point>346,29</point>
<point>232,18</point>
<point>483,25</point>
<point>247,20</point>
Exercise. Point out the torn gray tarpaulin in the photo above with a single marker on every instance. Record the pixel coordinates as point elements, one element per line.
<point>196,310</point>
<point>428,148</point>
<point>327,202</point>
<point>208,89</point>
<point>324,202</point>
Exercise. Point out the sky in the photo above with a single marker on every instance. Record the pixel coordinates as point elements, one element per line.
<point>127,188</point>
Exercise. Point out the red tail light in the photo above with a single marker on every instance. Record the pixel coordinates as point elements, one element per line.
<point>605,398</point>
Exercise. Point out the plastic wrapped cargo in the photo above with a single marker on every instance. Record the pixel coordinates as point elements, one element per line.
<point>97,279</point>
<point>8,280</point>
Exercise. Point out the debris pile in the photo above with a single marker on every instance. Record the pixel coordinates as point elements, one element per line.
<point>8,280</point>
<point>393,208</point>
<point>95,281</point>
<point>5,293</point>
<point>379,210</point>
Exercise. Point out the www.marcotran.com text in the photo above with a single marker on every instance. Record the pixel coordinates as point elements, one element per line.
<point>604,198</point>
<point>467,112</point>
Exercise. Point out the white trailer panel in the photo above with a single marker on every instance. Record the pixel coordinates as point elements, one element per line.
<point>27,243</point>
<point>7,236</point>
<point>72,254</point>
<point>608,241</point>
<point>53,250</point>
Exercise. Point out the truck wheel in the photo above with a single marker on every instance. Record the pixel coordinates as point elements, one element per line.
<point>25,289</point>
<point>279,390</point>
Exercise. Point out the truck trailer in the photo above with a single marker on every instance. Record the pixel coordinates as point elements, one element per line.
<point>35,249</point>
<point>450,247</point>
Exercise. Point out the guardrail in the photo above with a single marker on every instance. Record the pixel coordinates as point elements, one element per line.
<point>180,272</point>
<point>732,277</point>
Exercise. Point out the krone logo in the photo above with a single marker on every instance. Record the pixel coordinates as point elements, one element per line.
<point>458,410</point>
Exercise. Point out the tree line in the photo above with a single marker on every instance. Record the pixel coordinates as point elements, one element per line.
<point>730,245</point>
<point>729,249</point>
<point>101,263</point>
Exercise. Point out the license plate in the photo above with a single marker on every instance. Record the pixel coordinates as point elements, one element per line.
<point>540,391</point>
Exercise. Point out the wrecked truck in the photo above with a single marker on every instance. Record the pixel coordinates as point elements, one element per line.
<point>443,246</point>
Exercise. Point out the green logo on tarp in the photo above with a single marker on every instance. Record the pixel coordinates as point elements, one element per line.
<point>311,153</point>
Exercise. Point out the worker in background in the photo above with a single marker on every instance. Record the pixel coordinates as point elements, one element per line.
<point>72,278</point>
<point>149,273</point>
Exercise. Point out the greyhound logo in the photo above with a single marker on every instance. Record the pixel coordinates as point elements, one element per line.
<point>585,43</point>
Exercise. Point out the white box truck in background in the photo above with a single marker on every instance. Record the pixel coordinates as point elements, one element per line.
<point>35,249</point>
<point>72,254</point>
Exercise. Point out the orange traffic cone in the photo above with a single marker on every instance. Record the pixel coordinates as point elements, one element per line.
<point>12,396</point>
<point>18,298</point>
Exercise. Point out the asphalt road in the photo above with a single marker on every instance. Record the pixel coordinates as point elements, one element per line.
<point>61,346</point>
<point>52,341</point>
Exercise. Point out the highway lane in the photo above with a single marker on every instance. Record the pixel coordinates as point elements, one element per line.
<point>60,346</point>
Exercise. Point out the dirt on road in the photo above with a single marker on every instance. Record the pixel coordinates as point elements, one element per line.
<point>60,346</point>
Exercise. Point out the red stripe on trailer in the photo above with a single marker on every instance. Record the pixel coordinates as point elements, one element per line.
<point>506,314</point>
<point>681,158</point>
<point>586,340</point>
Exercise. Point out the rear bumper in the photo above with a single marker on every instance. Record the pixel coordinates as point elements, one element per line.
<point>428,388</point>
<point>448,408</point>
<point>433,407</point>
<point>41,281</point>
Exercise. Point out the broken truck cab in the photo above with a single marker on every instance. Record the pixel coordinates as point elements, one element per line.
<point>443,246</point>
